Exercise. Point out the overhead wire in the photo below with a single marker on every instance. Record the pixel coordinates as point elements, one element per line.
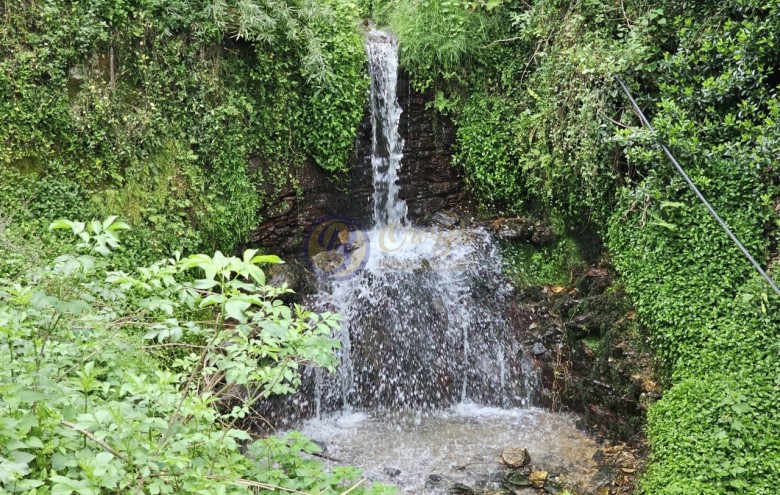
<point>696,190</point>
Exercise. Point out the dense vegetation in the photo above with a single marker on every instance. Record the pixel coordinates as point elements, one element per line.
<point>542,126</point>
<point>116,382</point>
<point>182,115</point>
<point>122,375</point>
<point>171,113</point>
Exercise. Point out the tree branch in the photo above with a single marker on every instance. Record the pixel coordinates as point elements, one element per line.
<point>505,40</point>
<point>95,439</point>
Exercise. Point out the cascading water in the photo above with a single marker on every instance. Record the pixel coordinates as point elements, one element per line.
<point>431,372</point>
<point>386,145</point>
<point>425,321</point>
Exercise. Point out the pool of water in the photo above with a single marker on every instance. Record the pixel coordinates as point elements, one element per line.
<point>425,453</point>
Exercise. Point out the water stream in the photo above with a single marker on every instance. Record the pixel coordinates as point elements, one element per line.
<point>433,375</point>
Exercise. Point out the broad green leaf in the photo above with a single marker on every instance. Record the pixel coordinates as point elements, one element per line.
<point>204,284</point>
<point>214,299</point>
<point>60,224</point>
<point>118,226</point>
<point>34,442</point>
<point>249,254</point>
<point>266,258</point>
<point>108,221</point>
<point>235,309</point>
<point>239,434</point>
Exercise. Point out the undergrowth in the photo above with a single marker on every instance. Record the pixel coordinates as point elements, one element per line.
<point>173,113</point>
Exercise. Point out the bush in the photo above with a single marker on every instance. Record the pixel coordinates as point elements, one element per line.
<point>155,112</point>
<point>87,408</point>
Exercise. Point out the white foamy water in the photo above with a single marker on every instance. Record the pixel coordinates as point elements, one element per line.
<point>386,144</point>
<point>424,453</point>
<point>425,310</point>
<point>425,326</point>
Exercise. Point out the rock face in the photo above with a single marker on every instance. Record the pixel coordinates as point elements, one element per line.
<point>305,199</point>
<point>428,181</point>
<point>591,360</point>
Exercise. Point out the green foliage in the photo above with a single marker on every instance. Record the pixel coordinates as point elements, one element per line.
<point>86,408</point>
<point>527,264</point>
<point>335,106</point>
<point>712,320</point>
<point>487,130</point>
<point>438,38</point>
<point>535,100</point>
<point>542,126</point>
<point>156,109</point>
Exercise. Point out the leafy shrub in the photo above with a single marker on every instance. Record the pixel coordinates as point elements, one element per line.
<point>121,101</point>
<point>86,408</point>
<point>527,264</point>
<point>437,37</point>
<point>335,105</point>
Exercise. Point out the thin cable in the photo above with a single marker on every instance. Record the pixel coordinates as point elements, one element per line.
<point>701,197</point>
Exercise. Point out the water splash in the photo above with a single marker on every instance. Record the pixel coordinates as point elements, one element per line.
<point>425,320</point>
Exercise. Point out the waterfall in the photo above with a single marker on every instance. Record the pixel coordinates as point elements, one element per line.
<point>425,316</point>
<point>387,144</point>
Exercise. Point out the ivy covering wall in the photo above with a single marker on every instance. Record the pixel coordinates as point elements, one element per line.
<point>543,127</point>
<point>170,113</point>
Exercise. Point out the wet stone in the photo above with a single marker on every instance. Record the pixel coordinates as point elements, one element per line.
<point>518,479</point>
<point>538,478</point>
<point>391,472</point>
<point>539,349</point>
<point>434,480</point>
<point>515,457</point>
<point>327,261</point>
<point>461,489</point>
<point>604,476</point>
<point>445,219</point>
